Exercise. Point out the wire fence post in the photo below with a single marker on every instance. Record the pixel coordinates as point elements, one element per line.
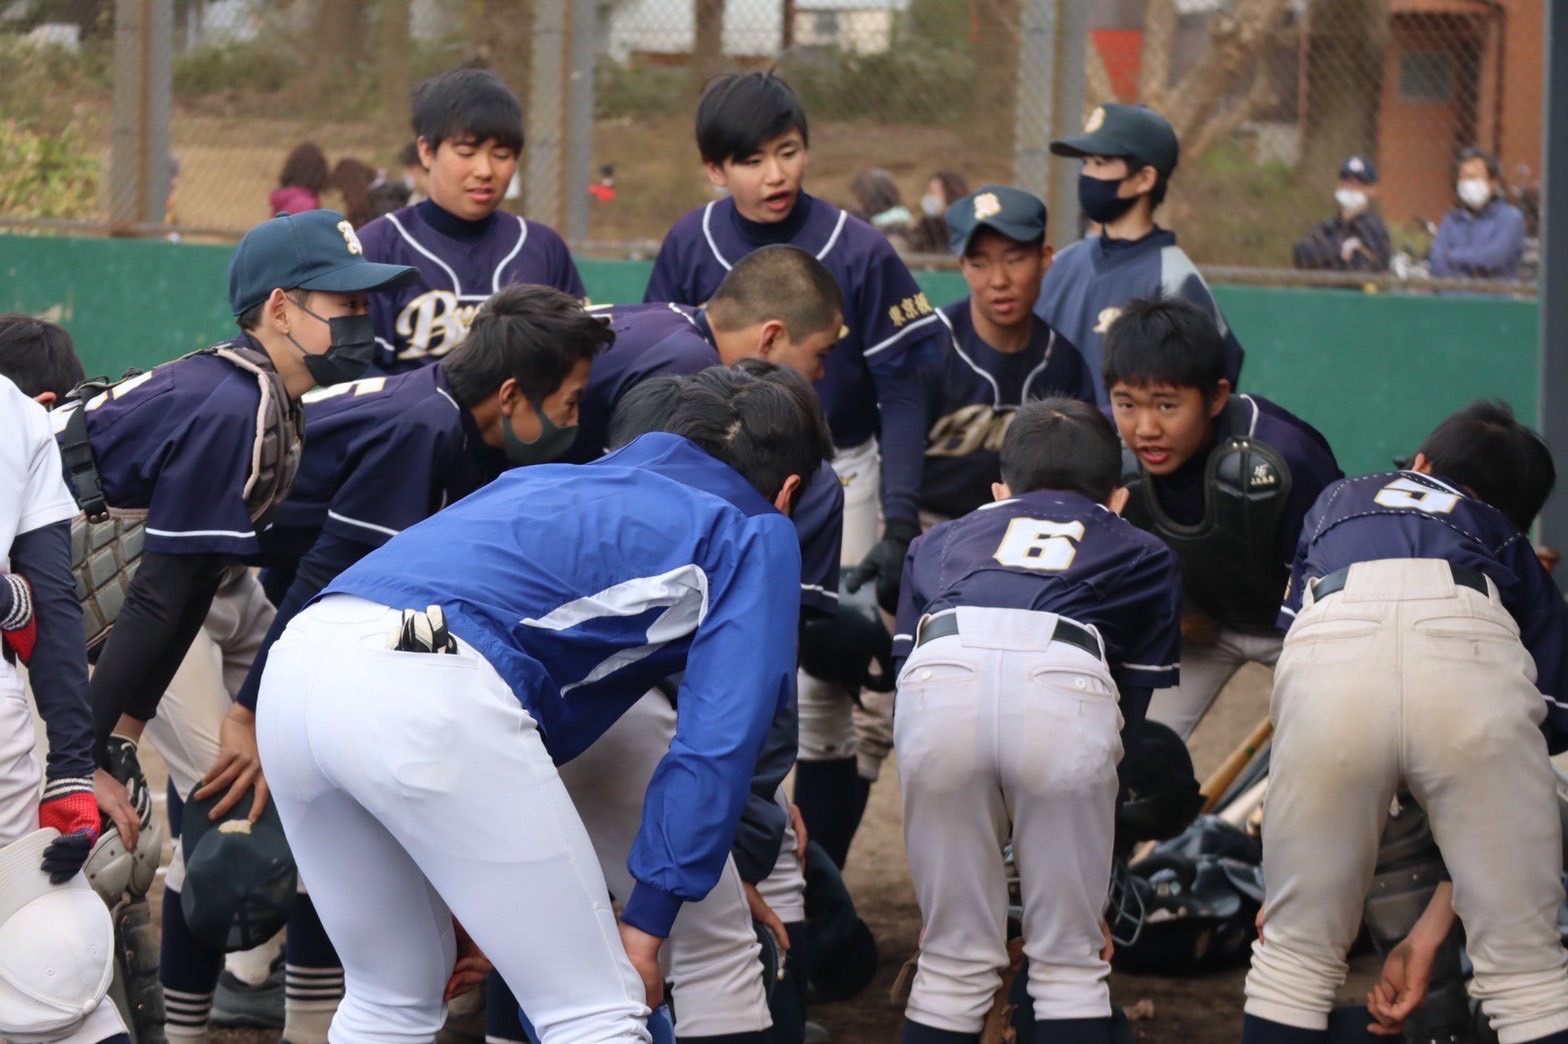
<point>547,113</point>
<point>1072,49</point>
<point>1554,269</point>
<point>139,168</point>
<point>1036,93</point>
<point>579,103</point>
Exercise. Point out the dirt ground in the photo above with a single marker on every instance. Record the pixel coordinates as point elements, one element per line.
<point>1199,1010</point>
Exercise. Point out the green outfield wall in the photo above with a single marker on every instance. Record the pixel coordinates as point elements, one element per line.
<point>1374,372</point>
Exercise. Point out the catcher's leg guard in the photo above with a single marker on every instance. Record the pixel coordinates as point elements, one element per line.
<point>135,989</point>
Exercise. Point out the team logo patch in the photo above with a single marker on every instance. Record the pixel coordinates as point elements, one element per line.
<point>1263,476</point>
<point>350,238</point>
<point>236,826</point>
<point>1106,317</point>
<point>987,206</point>
<point>1096,120</point>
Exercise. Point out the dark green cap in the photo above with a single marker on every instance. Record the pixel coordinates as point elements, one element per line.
<point>1125,130</point>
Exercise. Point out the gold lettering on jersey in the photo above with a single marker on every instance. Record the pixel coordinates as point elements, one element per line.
<point>1096,120</point>
<point>350,238</point>
<point>974,427</point>
<point>906,311</point>
<point>1106,317</point>
<point>987,206</point>
<point>434,323</point>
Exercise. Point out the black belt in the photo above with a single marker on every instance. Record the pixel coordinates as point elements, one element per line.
<point>946,624</point>
<point>1334,582</point>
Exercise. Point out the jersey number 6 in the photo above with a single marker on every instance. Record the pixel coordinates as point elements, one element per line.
<point>1033,543</point>
<point>1407,493</point>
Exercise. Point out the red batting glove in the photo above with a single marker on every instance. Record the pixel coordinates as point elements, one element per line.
<point>18,632</point>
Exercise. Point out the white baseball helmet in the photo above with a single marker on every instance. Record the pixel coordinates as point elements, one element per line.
<point>56,945</point>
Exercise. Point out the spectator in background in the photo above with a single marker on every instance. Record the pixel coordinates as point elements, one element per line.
<point>930,235</point>
<point>1483,237</point>
<point>299,186</point>
<point>415,176</point>
<point>879,204</point>
<point>387,195</point>
<point>1355,239</point>
<point>353,180</point>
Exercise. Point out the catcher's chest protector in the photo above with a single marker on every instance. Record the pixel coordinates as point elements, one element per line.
<point>106,542</point>
<point>1230,560</point>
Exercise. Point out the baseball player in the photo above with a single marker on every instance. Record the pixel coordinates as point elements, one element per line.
<point>1129,154</point>
<point>752,136</point>
<point>41,628</point>
<point>997,354</point>
<point>1035,628</point>
<point>595,582</point>
<point>1223,479</point>
<point>470,135</point>
<point>1426,650</point>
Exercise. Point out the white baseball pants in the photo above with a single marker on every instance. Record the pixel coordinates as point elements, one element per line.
<point>712,958</point>
<point>996,725</point>
<point>1406,677</point>
<point>415,788</point>
<point>1205,668</point>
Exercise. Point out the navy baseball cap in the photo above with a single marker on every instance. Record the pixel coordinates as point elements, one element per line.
<point>1360,169</point>
<point>240,878</point>
<point>1016,214</point>
<point>314,250</point>
<point>1125,130</point>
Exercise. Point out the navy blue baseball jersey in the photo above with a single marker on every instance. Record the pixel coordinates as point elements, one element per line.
<point>651,340</point>
<point>178,442</point>
<point>656,340</point>
<point>972,391</point>
<point>383,454</point>
<point>585,585</point>
<point>461,263</point>
<point>870,386</point>
<point>1092,279</point>
<point>1405,514</point>
<point>1058,552</point>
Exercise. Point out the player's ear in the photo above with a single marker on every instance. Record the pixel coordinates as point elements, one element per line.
<point>1117,501</point>
<point>715,174</point>
<point>1422,464</point>
<point>46,399</point>
<point>785,501</point>
<point>427,155</point>
<point>771,335</point>
<point>1001,491</point>
<point>1220,399</point>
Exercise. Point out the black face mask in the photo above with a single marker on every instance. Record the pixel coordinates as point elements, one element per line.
<point>1099,199</point>
<point>352,348</point>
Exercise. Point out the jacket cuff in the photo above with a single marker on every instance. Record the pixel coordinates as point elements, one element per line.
<point>651,909</point>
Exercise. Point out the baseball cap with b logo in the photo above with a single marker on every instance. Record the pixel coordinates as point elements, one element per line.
<point>1125,130</point>
<point>56,945</point>
<point>315,250</point>
<point>1014,213</point>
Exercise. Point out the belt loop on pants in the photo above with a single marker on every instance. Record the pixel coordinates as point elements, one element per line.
<point>1335,582</point>
<point>945,625</point>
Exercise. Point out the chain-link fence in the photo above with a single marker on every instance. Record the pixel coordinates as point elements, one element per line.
<point>1268,97</point>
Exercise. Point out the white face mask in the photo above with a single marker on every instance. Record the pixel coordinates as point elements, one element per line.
<point>931,206</point>
<point>1474,192</point>
<point>1351,201</point>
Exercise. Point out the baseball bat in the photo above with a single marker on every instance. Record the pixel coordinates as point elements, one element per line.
<point>1221,778</point>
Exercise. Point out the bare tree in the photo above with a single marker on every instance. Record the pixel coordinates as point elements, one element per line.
<point>1347,41</point>
<point>708,46</point>
<point>996,57</point>
<point>392,59</point>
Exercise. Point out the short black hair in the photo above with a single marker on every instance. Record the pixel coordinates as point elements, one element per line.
<point>1487,451</point>
<point>1164,340</point>
<point>1162,181</point>
<point>533,334</point>
<point>741,112</point>
<point>778,282</point>
<point>468,104</point>
<point>644,408</point>
<point>1064,444</point>
<point>794,382</point>
<point>1494,169</point>
<point>38,356</point>
<point>755,426</point>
